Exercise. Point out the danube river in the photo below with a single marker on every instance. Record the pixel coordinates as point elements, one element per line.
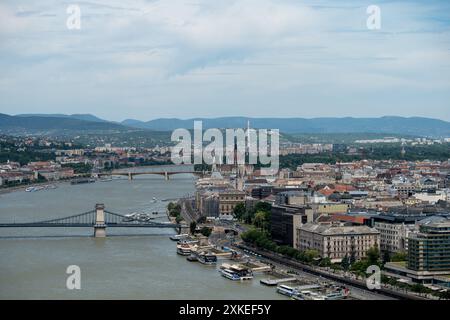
<point>128,264</point>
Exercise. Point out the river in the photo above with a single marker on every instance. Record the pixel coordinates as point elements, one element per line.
<point>128,264</point>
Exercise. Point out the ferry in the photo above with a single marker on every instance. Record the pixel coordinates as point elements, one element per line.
<point>188,240</point>
<point>241,272</point>
<point>207,258</point>
<point>337,294</point>
<point>230,274</point>
<point>286,290</point>
<point>184,249</point>
<point>178,237</point>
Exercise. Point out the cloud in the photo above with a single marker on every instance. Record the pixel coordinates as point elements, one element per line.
<point>149,58</point>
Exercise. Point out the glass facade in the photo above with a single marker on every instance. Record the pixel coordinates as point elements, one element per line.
<point>429,250</point>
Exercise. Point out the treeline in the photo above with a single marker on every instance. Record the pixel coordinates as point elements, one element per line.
<point>25,157</point>
<point>378,152</point>
<point>262,239</point>
<point>79,168</point>
<point>259,215</point>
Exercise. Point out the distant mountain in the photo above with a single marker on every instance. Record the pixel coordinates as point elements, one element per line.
<point>415,126</point>
<point>86,117</point>
<point>43,124</point>
<point>135,123</point>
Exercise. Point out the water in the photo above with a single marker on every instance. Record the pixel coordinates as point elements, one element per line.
<point>128,264</point>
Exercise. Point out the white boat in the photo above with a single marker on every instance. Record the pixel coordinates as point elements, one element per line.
<point>241,272</point>
<point>178,237</point>
<point>184,249</point>
<point>207,258</point>
<point>130,217</point>
<point>34,189</point>
<point>286,290</point>
<point>230,274</point>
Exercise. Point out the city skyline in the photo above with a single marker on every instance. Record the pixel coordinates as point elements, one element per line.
<point>148,60</point>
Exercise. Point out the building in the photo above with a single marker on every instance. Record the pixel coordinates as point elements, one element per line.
<point>336,241</point>
<point>429,249</point>
<point>330,208</point>
<point>394,230</point>
<point>285,221</point>
<point>207,203</point>
<point>291,198</point>
<point>228,199</point>
<point>428,259</point>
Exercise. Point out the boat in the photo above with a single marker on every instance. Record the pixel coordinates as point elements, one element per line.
<point>230,274</point>
<point>184,249</point>
<point>178,237</point>
<point>188,240</point>
<point>130,217</point>
<point>286,290</point>
<point>106,180</point>
<point>34,189</point>
<point>242,272</point>
<point>207,258</point>
<point>192,257</point>
<point>82,181</point>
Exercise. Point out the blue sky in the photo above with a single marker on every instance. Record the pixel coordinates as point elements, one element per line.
<point>187,58</point>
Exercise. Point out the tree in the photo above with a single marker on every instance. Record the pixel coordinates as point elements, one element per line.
<point>373,255</point>
<point>345,263</point>
<point>259,219</point>
<point>325,262</point>
<point>352,259</point>
<point>193,227</point>
<point>239,211</point>
<point>206,231</point>
<point>399,256</point>
<point>386,257</point>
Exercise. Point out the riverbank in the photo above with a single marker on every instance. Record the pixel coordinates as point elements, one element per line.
<point>25,186</point>
<point>332,276</point>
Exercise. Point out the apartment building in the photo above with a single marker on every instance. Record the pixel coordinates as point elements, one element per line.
<point>335,241</point>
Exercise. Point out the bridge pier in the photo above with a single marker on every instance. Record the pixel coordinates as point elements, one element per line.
<point>99,226</point>
<point>166,176</point>
<point>130,176</point>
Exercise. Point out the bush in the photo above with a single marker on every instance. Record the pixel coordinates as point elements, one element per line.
<point>206,231</point>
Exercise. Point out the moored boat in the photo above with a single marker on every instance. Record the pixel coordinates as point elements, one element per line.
<point>184,249</point>
<point>286,290</point>
<point>178,237</point>
<point>229,274</point>
<point>207,258</point>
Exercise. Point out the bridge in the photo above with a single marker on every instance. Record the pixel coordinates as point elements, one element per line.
<point>99,219</point>
<point>165,171</point>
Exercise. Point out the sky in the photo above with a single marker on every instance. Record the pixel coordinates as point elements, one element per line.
<point>201,58</point>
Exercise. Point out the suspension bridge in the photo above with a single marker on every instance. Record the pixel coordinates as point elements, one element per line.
<point>99,219</point>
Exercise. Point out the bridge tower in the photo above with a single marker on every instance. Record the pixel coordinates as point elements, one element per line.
<point>99,226</point>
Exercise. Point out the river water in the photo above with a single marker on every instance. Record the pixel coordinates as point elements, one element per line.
<point>128,264</point>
